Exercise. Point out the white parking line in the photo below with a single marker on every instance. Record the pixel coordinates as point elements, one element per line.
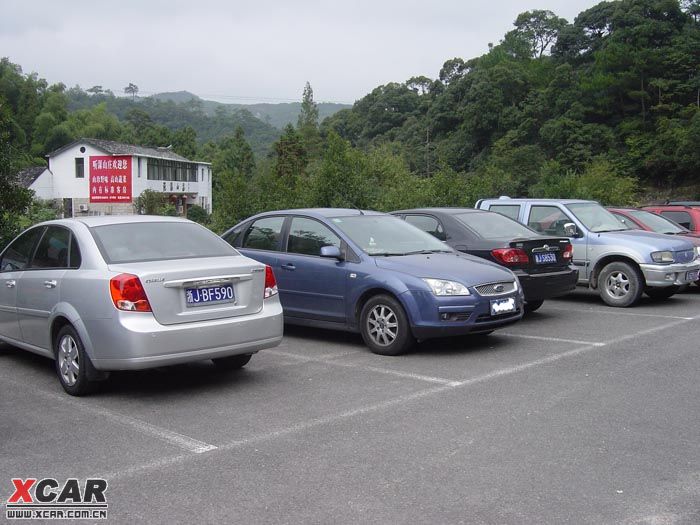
<point>331,419</point>
<point>174,438</point>
<point>551,339</point>
<point>616,311</point>
<point>329,359</point>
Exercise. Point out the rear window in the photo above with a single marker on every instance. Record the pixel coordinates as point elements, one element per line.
<point>157,241</point>
<point>489,225</point>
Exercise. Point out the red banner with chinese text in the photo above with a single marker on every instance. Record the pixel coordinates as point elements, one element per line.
<point>110,179</point>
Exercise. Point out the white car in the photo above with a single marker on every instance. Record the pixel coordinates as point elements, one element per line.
<point>132,292</point>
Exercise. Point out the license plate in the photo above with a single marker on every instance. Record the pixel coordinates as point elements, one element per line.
<point>545,258</point>
<point>209,295</point>
<point>503,306</point>
<point>692,275</point>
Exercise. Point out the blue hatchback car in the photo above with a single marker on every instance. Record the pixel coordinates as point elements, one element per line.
<point>373,273</point>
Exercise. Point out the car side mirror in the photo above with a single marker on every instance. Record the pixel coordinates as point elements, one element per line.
<point>332,252</point>
<point>570,230</point>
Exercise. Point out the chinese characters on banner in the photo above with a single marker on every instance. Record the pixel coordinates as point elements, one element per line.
<point>110,179</point>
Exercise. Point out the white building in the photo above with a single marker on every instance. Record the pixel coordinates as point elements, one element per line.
<point>102,177</point>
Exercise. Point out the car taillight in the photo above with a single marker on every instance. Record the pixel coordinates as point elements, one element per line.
<point>128,293</point>
<point>568,252</point>
<point>270,283</point>
<point>510,256</point>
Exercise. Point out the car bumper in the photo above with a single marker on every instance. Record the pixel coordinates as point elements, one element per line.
<point>662,275</point>
<point>134,341</point>
<point>547,285</point>
<point>433,317</point>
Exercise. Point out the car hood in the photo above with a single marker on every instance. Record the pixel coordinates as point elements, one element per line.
<point>644,240</point>
<point>466,269</point>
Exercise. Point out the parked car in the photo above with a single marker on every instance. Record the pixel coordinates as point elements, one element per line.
<point>375,274</point>
<point>636,219</point>
<point>683,214</point>
<point>541,263</point>
<point>620,263</point>
<point>131,292</point>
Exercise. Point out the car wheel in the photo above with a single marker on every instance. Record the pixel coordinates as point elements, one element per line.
<point>531,306</point>
<point>72,363</point>
<point>232,362</point>
<point>620,284</point>
<point>662,293</point>
<point>384,326</point>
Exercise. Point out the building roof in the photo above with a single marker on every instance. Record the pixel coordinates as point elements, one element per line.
<point>119,148</point>
<point>27,176</point>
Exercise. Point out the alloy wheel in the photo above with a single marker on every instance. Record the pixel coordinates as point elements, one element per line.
<point>618,284</point>
<point>382,325</point>
<point>68,360</point>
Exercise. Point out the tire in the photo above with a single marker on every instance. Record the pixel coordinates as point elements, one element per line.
<point>232,362</point>
<point>620,284</point>
<point>384,326</point>
<point>72,363</point>
<point>531,306</point>
<point>659,294</point>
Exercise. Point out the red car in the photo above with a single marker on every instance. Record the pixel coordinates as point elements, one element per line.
<point>686,215</point>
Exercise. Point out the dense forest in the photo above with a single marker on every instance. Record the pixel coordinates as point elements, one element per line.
<point>605,107</point>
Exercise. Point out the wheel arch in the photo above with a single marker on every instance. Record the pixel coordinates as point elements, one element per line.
<point>604,261</point>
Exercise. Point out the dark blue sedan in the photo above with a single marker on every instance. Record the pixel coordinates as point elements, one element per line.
<point>374,273</point>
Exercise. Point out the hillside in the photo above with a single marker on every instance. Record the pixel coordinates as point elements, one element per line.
<point>277,115</point>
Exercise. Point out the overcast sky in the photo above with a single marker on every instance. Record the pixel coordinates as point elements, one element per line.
<point>253,51</point>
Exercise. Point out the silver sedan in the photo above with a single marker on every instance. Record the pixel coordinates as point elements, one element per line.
<point>132,292</point>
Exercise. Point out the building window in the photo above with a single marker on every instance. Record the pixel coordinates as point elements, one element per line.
<point>170,170</point>
<point>79,168</point>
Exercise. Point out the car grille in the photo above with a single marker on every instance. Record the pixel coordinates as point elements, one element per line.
<point>496,288</point>
<point>684,256</point>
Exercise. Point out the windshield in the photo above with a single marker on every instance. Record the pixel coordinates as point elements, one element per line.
<point>489,225</point>
<point>157,241</point>
<point>387,235</point>
<point>657,223</point>
<point>596,218</point>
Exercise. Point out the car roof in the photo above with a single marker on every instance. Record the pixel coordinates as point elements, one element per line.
<point>322,212</point>
<point>446,210</point>
<point>103,220</point>
<point>507,200</point>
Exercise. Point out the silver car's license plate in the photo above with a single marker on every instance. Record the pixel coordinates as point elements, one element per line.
<point>691,276</point>
<point>503,306</point>
<point>545,258</point>
<point>209,295</point>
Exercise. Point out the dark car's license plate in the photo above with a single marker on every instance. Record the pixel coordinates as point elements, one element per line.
<point>209,295</point>
<point>503,306</point>
<point>545,258</point>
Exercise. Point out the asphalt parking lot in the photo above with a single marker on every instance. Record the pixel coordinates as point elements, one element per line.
<point>579,414</point>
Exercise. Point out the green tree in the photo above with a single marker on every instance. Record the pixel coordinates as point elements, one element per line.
<point>307,123</point>
<point>131,89</point>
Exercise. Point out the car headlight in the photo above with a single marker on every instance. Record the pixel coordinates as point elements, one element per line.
<point>697,252</point>
<point>446,288</point>
<point>662,257</point>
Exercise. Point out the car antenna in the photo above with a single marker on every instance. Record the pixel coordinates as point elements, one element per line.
<point>352,205</point>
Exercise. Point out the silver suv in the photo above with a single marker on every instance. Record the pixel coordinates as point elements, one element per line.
<point>621,264</point>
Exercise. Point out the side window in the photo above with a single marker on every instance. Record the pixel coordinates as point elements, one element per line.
<point>17,255</point>
<point>681,217</point>
<point>307,237</point>
<point>233,237</point>
<point>428,224</point>
<point>549,220</point>
<point>75,258</point>
<point>509,210</point>
<point>52,251</point>
<point>264,234</point>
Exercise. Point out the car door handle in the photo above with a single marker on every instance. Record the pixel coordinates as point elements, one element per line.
<point>50,284</point>
<point>10,284</point>
<point>289,266</point>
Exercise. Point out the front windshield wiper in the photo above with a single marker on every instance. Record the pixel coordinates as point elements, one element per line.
<point>386,254</point>
<point>607,231</point>
<point>417,252</point>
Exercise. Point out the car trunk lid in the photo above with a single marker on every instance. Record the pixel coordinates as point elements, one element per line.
<point>544,254</point>
<point>208,281</point>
